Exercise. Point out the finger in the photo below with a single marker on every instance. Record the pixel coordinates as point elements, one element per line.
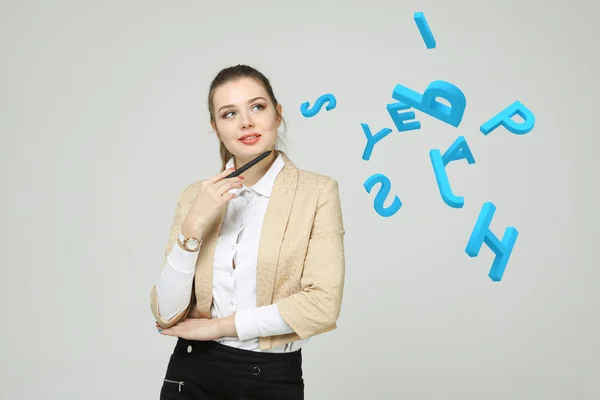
<point>235,181</point>
<point>220,175</point>
<point>228,196</point>
<point>167,332</point>
<point>226,187</point>
<point>177,332</point>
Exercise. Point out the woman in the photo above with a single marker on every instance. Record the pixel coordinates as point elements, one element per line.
<point>254,265</point>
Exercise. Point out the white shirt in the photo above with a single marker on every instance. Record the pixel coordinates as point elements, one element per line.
<point>234,289</point>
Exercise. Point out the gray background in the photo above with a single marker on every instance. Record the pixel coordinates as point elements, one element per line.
<point>104,121</point>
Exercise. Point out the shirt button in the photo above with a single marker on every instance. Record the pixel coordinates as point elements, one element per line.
<point>231,273</point>
<point>232,302</point>
<point>189,349</point>
<point>233,247</point>
<point>242,225</point>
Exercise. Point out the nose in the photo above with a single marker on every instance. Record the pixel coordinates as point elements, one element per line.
<point>246,120</point>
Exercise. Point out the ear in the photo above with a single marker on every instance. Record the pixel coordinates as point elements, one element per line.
<point>280,113</point>
<point>214,127</point>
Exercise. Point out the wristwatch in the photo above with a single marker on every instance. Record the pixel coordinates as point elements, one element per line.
<point>190,244</point>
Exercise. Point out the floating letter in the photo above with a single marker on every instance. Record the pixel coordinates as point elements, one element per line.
<point>459,150</point>
<point>424,30</point>
<point>504,118</point>
<point>382,194</point>
<point>481,233</point>
<point>399,117</point>
<point>318,104</point>
<point>372,139</point>
<point>427,101</point>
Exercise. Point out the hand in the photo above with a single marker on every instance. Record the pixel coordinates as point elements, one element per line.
<point>212,196</point>
<point>193,329</point>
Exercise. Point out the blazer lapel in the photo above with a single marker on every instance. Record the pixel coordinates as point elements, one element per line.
<point>204,266</point>
<point>274,225</point>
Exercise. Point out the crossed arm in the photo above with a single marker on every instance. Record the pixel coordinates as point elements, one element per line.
<point>313,310</point>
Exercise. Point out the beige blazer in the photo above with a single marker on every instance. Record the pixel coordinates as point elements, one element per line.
<point>301,261</point>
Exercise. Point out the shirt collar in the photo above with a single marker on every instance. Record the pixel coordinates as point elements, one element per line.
<point>265,185</point>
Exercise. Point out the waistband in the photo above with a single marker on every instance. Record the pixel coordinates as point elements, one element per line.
<point>201,349</point>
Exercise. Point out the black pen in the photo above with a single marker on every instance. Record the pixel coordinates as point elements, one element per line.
<point>249,164</point>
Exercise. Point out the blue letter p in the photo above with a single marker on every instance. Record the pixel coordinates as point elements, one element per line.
<point>504,118</point>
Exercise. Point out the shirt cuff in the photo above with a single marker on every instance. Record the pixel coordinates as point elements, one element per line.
<point>260,322</point>
<point>181,260</point>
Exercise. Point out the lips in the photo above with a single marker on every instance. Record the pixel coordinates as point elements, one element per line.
<point>250,140</point>
<point>250,136</point>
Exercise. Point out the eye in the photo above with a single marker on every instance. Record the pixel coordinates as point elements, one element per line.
<point>260,106</point>
<point>226,114</point>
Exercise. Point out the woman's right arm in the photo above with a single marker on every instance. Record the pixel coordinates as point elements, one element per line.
<point>171,294</point>
<point>170,297</point>
<point>174,284</point>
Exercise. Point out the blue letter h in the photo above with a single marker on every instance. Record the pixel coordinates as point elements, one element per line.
<point>481,233</point>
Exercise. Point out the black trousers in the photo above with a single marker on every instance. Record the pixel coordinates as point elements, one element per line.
<point>207,370</point>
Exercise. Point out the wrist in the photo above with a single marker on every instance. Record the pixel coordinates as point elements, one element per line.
<point>192,231</point>
<point>226,326</point>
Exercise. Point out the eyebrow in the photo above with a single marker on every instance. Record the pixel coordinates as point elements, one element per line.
<point>249,101</point>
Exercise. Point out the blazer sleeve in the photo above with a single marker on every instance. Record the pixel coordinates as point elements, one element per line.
<point>316,307</point>
<point>172,241</point>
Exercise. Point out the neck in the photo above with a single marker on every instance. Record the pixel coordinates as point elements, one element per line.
<point>254,174</point>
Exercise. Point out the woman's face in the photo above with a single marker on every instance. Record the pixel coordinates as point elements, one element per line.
<point>242,108</point>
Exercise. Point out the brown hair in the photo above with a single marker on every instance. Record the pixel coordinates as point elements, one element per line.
<point>231,74</point>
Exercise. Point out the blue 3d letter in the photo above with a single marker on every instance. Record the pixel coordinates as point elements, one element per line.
<point>372,139</point>
<point>318,104</point>
<point>382,194</point>
<point>427,103</point>
<point>400,117</point>
<point>481,233</point>
<point>504,118</point>
<point>459,150</point>
<point>424,30</point>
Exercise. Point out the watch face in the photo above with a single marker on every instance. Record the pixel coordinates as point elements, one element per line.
<point>191,244</point>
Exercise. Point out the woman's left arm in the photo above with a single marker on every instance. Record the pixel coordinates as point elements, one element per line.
<point>316,308</point>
